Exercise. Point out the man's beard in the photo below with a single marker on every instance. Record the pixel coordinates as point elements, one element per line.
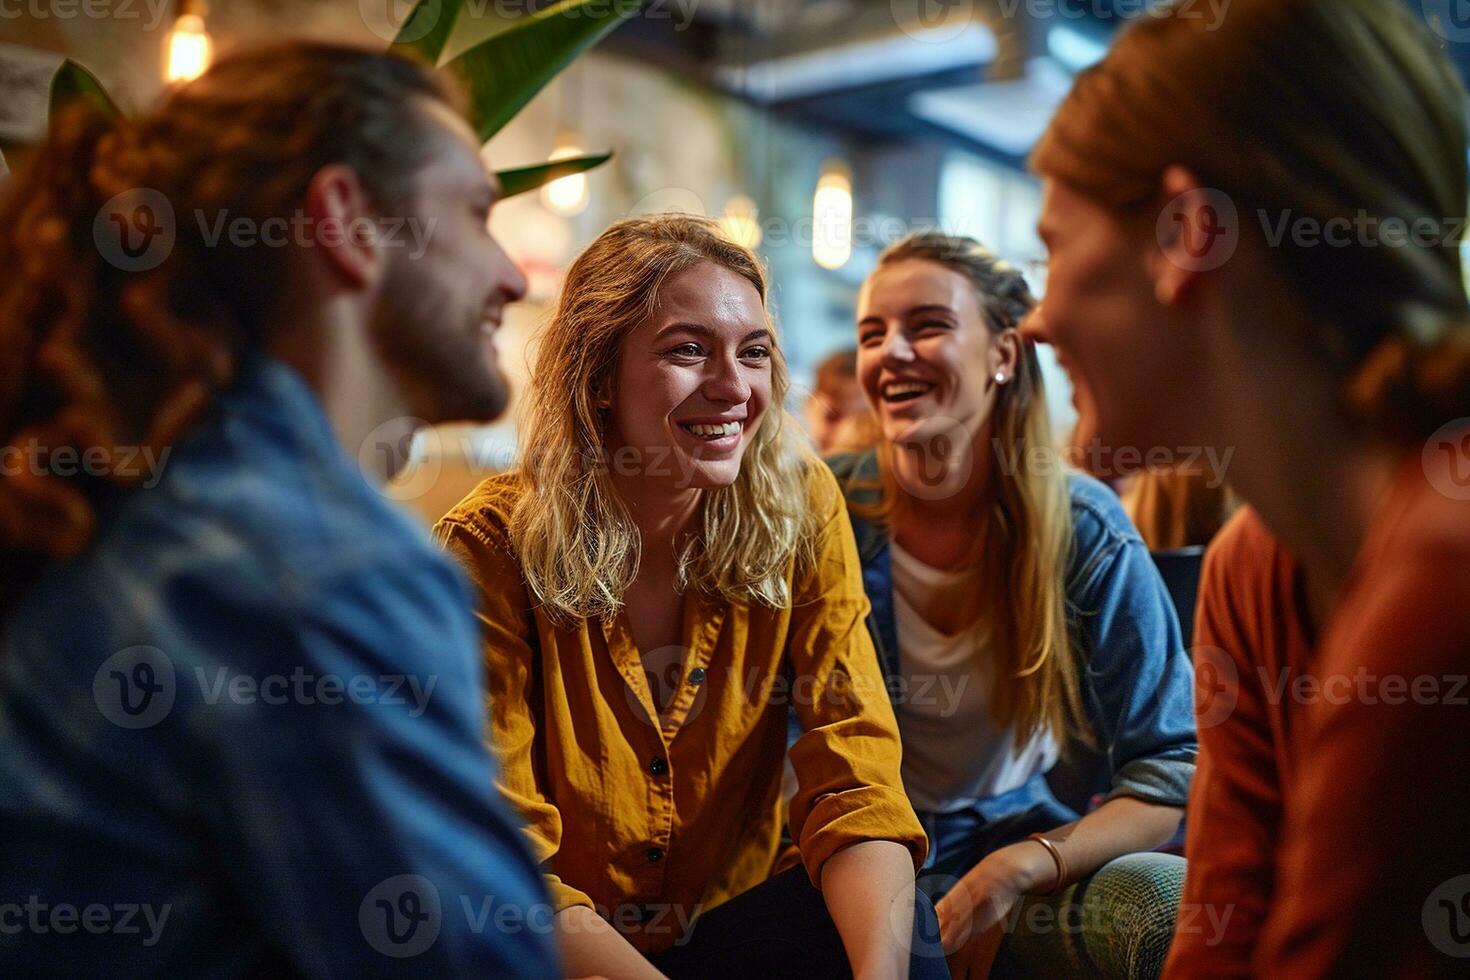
<point>435,351</point>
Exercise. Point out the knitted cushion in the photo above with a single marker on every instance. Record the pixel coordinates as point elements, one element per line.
<point>1116,924</point>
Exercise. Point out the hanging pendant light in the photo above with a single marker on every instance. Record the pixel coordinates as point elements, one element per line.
<point>188,49</point>
<point>832,216</point>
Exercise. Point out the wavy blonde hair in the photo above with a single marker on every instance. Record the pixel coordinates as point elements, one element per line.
<point>1028,541</point>
<point>578,546</point>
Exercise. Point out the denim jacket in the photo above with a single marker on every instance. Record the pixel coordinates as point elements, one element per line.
<point>1138,685</point>
<point>243,733</point>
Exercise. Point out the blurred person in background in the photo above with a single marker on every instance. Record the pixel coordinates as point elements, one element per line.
<point>1254,236</point>
<point>667,573</point>
<point>239,691</point>
<point>1177,507</point>
<point>1023,596</point>
<point>837,414</point>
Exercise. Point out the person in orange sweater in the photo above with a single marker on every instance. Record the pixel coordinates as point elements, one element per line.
<point>1254,637</point>
<point>663,577</point>
<point>1254,228</point>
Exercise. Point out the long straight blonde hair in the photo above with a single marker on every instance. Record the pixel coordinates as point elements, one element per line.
<point>1028,541</point>
<point>578,546</point>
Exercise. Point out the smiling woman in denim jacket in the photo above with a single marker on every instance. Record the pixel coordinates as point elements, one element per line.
<point>1018,615</point>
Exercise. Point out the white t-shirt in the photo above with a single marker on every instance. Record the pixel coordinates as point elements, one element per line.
<point>953,752</point>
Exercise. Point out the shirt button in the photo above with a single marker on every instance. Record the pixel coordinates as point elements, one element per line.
<point>655,854</point>
<point>696,676</point>
<point>659,766</point>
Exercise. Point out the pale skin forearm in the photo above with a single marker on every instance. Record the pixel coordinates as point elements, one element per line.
<point>590,946</point>
<point>869,891</point>
<point>1123,825</point>
<point>971,915</point>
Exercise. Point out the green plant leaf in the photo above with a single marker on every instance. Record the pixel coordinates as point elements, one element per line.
<point>426,30</point>
<point>506,62</point>
<point>523,179</point>
<point>73,83</point>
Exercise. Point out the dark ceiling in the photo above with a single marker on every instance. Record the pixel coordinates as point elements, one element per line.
<point>976,74</point>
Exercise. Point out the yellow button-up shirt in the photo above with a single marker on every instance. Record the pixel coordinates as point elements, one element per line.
<point>654,818</point>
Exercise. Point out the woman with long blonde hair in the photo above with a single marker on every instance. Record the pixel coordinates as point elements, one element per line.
<point>1016,610</point>
<point>665,575</point>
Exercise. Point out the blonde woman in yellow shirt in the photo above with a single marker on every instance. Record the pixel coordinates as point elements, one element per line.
<point>665,575</point>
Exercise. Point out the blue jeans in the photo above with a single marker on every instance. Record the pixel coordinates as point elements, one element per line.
<point>958,840</point>
<point>780,928</point>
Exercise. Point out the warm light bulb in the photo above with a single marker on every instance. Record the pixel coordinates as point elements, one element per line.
<point>566,196</point>
<point>741,223</point>
<point>189,49</point>
<point>832,218</point>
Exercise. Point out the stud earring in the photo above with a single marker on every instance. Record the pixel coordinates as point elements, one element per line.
<point>1000,377</point>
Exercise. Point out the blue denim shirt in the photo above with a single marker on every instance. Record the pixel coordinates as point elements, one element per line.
<point>244,732</point>
<point>1138,685</point>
